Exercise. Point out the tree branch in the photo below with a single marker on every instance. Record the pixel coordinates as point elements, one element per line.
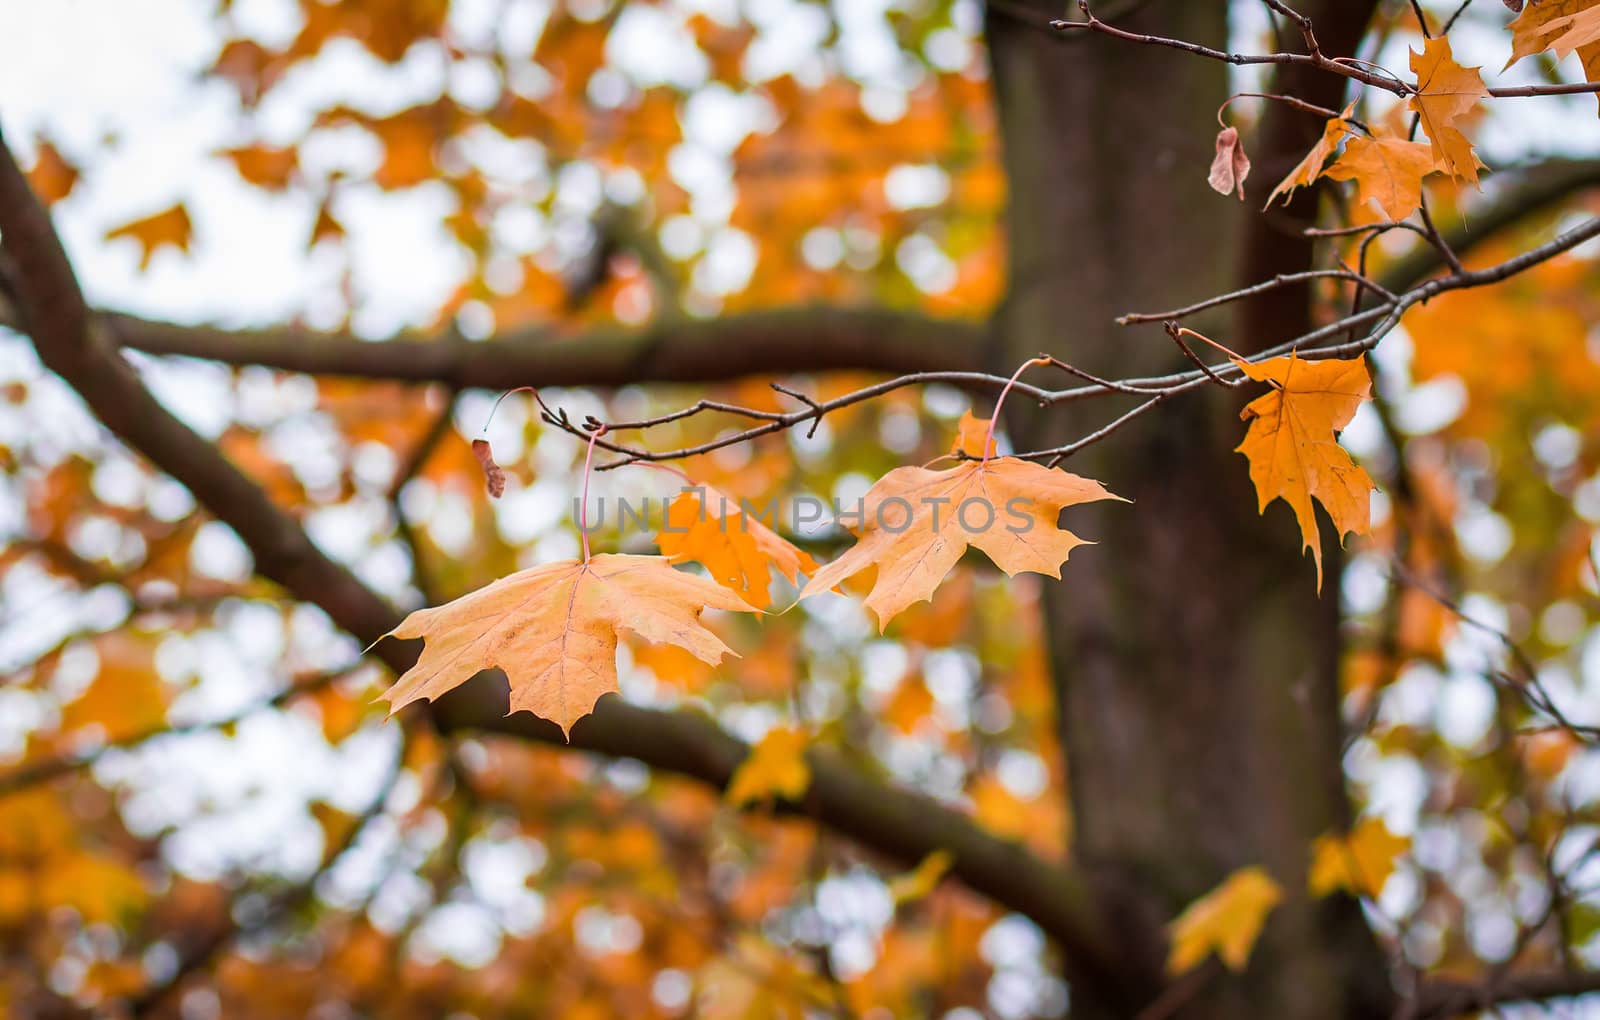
<point>802,339</point>
<point>1446,998</point>
<point>1541,186</point>
<point>902,825</point>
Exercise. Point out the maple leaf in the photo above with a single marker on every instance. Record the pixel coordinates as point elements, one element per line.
<point>1227,920</point>
<point>775,769</point>
<point>915,523</point>
<point>1577,30</point>
<point>168,227</point>
<point>52,177</point>
<point>1387,171</point>
<point>1446,93</point>
<point>553,630</point>
<point>1291,445</point>
<point>1310,168</point>
<point>1360,862</point>
<point>707,527</point>
<point>1230,166</point>
<point>1542,25</point>
<point>971,434</point>
<point>265,166</point>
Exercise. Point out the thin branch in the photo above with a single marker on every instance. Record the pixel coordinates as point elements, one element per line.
<point>1422,19</point>
<point>1434,238</point>
<point>1450,22</point>
<point>1346,67</point>
<point>1281,280</point>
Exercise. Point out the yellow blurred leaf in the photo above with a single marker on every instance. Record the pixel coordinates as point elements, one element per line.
<point>776,769</point>
<point>923,879</point>
<point>1226,921</point>
<point>1360,862</point>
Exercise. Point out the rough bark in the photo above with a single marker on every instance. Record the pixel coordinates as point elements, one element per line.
<point>1195,666</point>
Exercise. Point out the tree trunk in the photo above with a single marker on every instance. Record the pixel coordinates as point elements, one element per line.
<point>1195,664</point>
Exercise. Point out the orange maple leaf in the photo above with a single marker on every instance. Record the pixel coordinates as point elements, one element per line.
<point>775,769</point>
<point>1291,446</point>
<point>1359,861</point>
<point>1446,93</point>
<point>168,227</point>
<point>553,630</point>
<point>916,523</point>
<point>707,527</point>
<point>1310,168</point>
<point>1226,921</point>
<point>1388,171</point>
<point>52,177</point>
<point>265,166</point>
<point>972,433</point>
<point>1562,25</point>
<point>1577,30</point>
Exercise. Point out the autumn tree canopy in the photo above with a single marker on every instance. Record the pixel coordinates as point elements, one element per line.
<point>770,510</point>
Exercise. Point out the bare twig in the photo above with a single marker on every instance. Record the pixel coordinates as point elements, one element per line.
<point>1282,280</point>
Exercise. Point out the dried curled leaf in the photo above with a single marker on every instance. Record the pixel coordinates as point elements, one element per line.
<point>494,476</point>
<point>775,769</point>
<point>553,630</point>
<point>707,527</point>
<point>1230,166</point>
<point>1292,447</point>
<point>1227,920</point>
<point>1446,94</point>
<point>1387,171</point>
<point>915,523</point>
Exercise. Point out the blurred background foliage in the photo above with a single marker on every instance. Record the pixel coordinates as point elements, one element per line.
<point>203,813</point>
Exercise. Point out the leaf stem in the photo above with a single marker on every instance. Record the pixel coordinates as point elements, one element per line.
<point>520,389</point>
<point>583,507</point>
<point>988,438</point>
